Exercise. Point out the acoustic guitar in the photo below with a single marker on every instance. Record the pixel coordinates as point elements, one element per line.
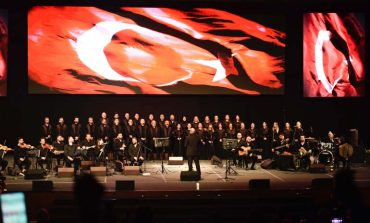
<point>247,150</point>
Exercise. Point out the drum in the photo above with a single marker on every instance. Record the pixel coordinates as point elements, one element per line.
<point>326,157</point>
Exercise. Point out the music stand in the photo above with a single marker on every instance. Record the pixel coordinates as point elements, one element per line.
<point>161,143</point>
<point>228,145</point>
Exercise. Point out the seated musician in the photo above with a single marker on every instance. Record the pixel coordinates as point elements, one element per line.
<point>135,153</point>
<point>246,152</point>
<point>87,147</point>
<point>45,155</point>
<point>119,147</point>
<point>345,151</point>
<point>302,153</point>
<point>100,152</point>
<point>3,162</point>
<point>20,157</point>
<point>333,146</point>
<point>71,154</point>
<point>58,146</point>
<point>282,153</point>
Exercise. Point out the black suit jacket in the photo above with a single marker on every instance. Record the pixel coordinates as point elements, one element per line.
<point>192,145</point>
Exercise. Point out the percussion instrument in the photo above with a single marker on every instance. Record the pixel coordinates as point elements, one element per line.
<point>326,157</point>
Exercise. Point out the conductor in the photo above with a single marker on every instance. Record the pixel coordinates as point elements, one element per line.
<point>192,150</point>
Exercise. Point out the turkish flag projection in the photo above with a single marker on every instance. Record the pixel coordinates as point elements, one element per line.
<point>86,50</point>
<point>334,55</point>
<point>3,53</point>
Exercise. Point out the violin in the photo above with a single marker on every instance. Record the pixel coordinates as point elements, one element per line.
<point>47,146</point>
<point>25,146</point>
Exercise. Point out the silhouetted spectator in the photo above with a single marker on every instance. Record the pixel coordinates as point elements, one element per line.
<point>89,196</point>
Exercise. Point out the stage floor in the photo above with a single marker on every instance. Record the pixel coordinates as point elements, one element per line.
<point>212,179</point>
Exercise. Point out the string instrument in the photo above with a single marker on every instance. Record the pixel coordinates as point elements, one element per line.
<point>86,147</point>
<point>345,150</point>
<point>280,147</point>
<point>247,150</point>
<point>302,152</point>
<point>5,148</point>
<point>47,147</point>
<point>25,146</point>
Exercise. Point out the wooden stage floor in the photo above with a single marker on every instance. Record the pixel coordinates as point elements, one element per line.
<point>212,179</point>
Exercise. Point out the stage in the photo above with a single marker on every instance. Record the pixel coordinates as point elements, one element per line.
<point>213,179</point>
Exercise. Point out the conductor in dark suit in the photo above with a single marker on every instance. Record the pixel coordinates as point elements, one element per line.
<point>192,150</point>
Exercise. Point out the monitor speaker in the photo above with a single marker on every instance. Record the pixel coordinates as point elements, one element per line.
<point>34,174</point>
<point>259,184</point>
<point>189,176</point>
<point>125,185</point>
<point>42,186</point>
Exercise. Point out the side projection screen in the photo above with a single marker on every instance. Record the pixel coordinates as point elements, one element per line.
<point>334,55</point>
<point>3,52</point>
<point>87,50</point>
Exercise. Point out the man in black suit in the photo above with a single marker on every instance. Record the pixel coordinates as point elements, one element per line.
<point>192,150</point>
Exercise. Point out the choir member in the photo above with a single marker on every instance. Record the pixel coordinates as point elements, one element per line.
<point>252,132</point>
<point>103,116</point>
<point>76,129</point>
<point>71,155</point>
<point>150,119</point>
<point>136,119</point>
<point>103,130</point>
<point>167,133</point>
<point>230,131</point>
<point>178,140</point>
<point>288,132</point>
<point>130,131</point>
<point>173,121</point>
<point>90,127</point>
<point>206,122</point>
<point>220,134</point>
<point>275,132</point>
<point>216,121</point>
<point>188,127</point>
<point>265,141</point>
<point>20,156</point>
<point>116,128</point>
<point>237,122</point>
<point>161,121</point>
<point>125,119</point>
<point>61,128</point>
<point>243,130</point>
<point>47,130</point>
<point>209,139</point>
<point>142,131</point>
<point>195,122</point>
<point>227,121</point>
<point>116,116</point>
<point>298,131</point>
<point>45,157</point>
<point>154,132</point>
<point>135,152</point>
<point>119,147</point>
<point>58,146</point>
<point>192,143</point>
<point>184,123</point>
<point>88,146</point>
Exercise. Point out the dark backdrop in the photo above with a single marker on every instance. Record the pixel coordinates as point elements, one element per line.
<point>22,114</point>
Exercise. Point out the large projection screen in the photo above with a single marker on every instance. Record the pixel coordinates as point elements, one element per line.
<point>3,51</point>
<point>136,50</point>
<point>334,55</point>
